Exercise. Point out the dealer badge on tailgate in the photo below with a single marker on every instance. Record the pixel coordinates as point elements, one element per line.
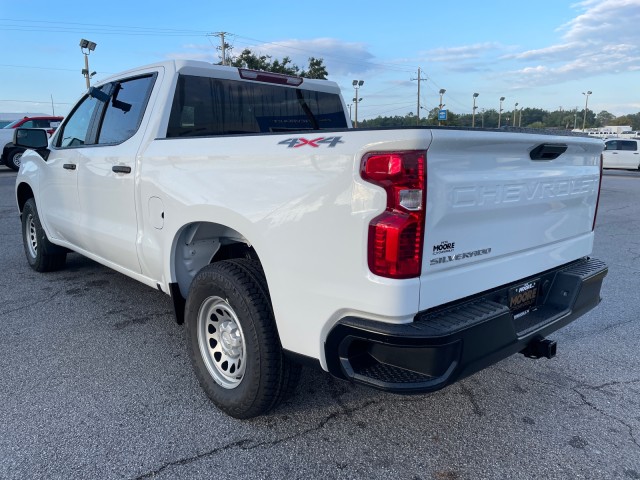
<point>522,298</point>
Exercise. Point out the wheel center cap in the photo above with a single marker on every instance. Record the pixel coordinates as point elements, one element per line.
<point>230,338</point>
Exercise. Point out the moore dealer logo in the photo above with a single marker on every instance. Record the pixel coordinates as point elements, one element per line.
<point>444,247</point>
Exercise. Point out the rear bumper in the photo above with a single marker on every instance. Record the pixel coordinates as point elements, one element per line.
<point>448,343</point>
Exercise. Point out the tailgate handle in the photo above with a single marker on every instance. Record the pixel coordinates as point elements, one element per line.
<point>69,166</point>
<point>548,151</point>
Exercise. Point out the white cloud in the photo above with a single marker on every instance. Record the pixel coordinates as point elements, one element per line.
<point>605,21</point>
<point>466,52</point>
<point>340,58</point>
<point>602,39</point>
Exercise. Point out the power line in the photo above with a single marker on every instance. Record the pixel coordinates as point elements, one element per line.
<point>48,102</point>
<point>83,27</point>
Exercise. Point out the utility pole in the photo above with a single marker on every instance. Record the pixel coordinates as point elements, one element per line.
<point>418,79</point>
<point>223,45</point>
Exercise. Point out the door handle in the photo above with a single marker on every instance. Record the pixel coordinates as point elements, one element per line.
<point>69,166</point>
<point>121,169</point>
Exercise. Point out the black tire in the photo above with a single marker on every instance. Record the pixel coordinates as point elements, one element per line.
<point>12,159</point>
<point>42,255</point>
<point>290,371</point>
<point>245,373</point>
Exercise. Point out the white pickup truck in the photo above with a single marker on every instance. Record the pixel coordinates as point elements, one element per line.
<point>403,259</point>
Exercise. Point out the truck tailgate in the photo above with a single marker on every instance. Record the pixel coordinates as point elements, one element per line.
<point>497,213</point>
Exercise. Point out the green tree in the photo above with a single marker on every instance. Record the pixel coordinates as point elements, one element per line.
<point>248,59</point>
<point>632,119</point>
<point>316,69</point>
<point>604,118</point>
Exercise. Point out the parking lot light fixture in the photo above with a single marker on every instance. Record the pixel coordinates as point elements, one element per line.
<point>586,103</point>
<point>356,85</point>
<point>473,114</point>
<point>86,47</point>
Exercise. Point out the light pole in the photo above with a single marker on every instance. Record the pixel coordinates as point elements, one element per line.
<point>586,102</point>
<point>575,118</point>
<point>473,115</point>
<point>86,47</point>
<point>500,111</point>
<point>515,111</point>
<point>441,92</point>
<point>482,117</point>
<point>356,85</point>
<point>520,117</point>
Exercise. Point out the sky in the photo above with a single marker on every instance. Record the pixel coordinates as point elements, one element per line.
<point>540,54</point>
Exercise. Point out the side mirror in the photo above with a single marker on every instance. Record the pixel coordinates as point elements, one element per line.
<point>33,138</point>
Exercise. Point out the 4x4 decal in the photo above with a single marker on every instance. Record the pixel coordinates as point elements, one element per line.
<point>315,143</point>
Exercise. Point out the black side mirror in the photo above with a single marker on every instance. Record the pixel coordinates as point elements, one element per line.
<point>33,138</point>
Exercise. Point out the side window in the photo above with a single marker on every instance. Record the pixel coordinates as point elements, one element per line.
<point>628,145</point>
<point>27,124</point>
<point>612,145</point>
<point>125,110</point>
<point>74,133</point>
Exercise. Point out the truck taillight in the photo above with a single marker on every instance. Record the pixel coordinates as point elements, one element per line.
<point>595,215</point>
<point>396,236</point>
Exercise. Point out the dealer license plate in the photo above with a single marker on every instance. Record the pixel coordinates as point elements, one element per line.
<point>523,298</point>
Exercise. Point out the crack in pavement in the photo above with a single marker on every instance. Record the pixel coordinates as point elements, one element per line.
<point>30,304</point>
<point>471,396</point>
<point>585,401</point>
<point>187,460</point>
<point>248,444</point>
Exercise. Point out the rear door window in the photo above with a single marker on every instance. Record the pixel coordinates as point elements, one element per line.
<point>627,145</point>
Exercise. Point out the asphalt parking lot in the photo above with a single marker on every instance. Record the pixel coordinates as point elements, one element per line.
<point>96,383</point>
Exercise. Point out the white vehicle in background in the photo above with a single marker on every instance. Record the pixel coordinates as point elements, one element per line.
<point>621,153</point>
<point>403,259</point>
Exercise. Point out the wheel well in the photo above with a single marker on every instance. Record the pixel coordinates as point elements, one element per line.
<point>201,243</point>
<point>24,193</point>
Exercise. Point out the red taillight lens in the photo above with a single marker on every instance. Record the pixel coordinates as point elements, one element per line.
<point>396,236</point>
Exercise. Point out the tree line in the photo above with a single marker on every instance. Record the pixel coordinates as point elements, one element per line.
<point>526,117</point>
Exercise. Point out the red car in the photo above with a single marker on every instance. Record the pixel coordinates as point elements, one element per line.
<point>11,154</point>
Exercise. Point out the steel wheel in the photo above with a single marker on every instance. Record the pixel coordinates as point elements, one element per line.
<point>221,342</point>
<point>31,236</point>
<point>15,159</point>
